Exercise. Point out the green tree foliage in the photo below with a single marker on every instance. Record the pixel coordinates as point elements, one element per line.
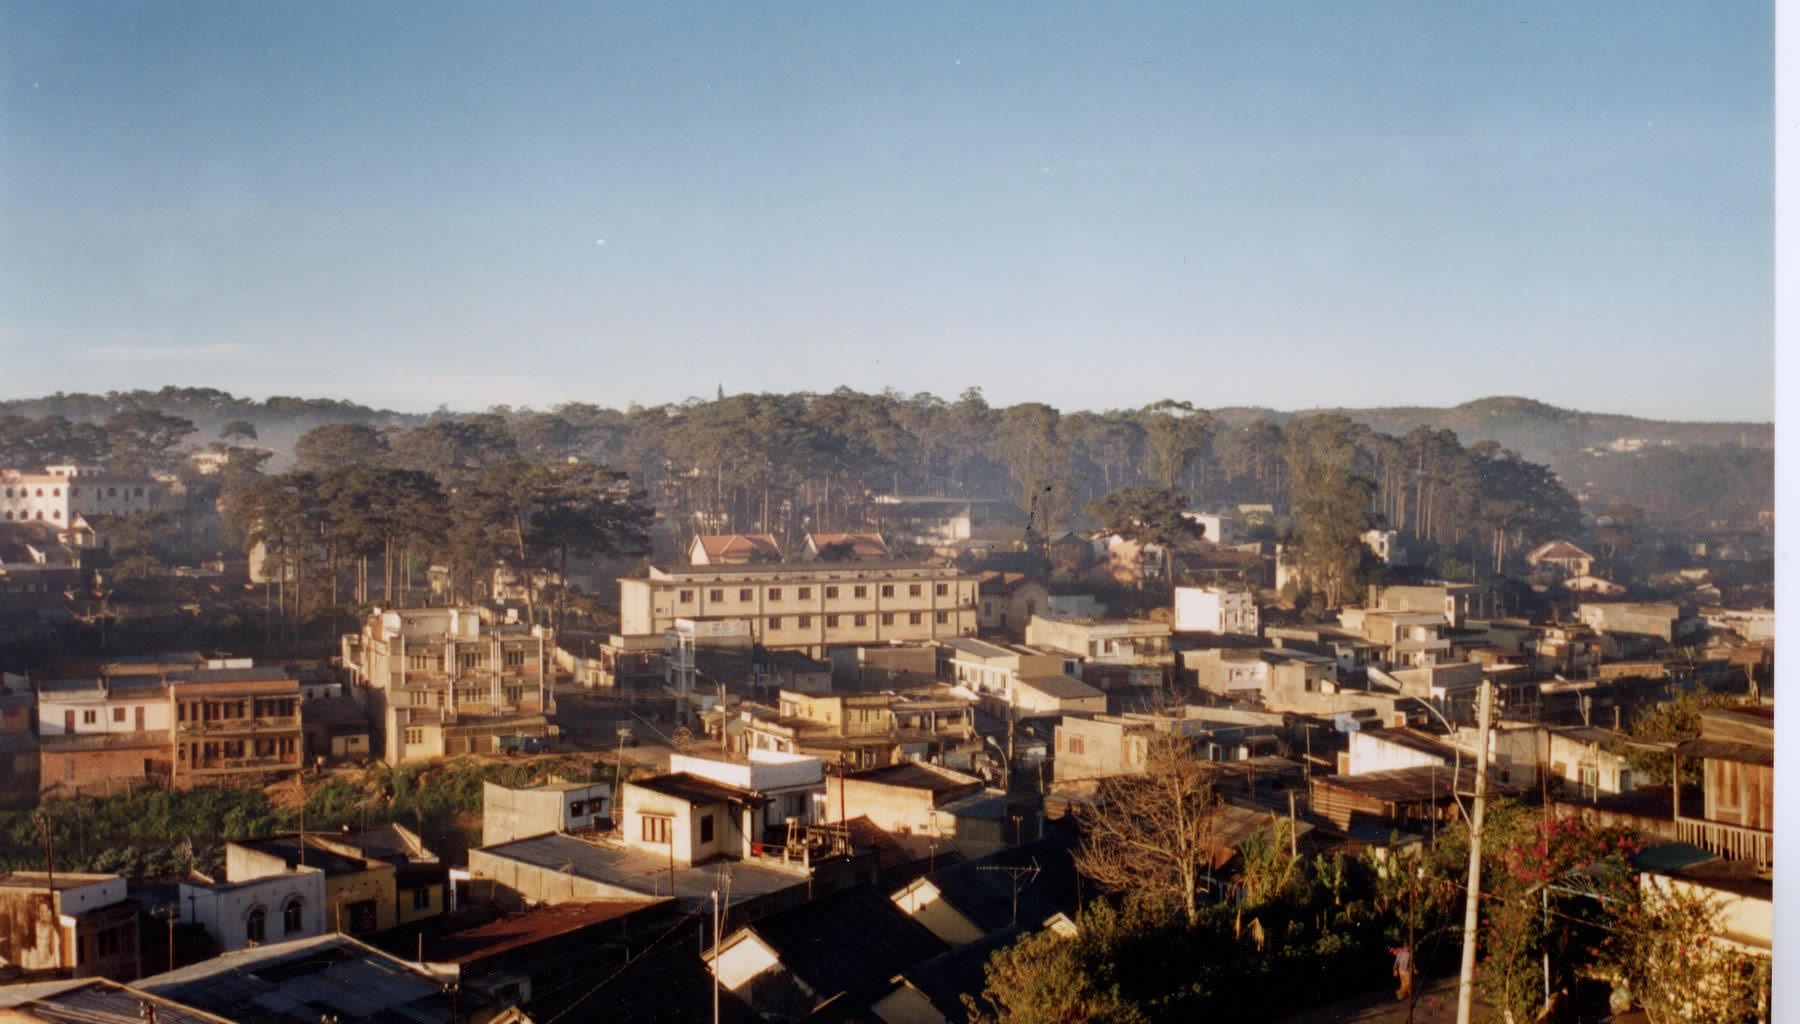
<point>1174,433</point>
<point>340,444</point>
<point>1671,722</point>
<point>1147,513</point>
<point>1664,946</point>
<point>142,441</point>
<point>1048,978</point>
<point>139,542</point>
<point>1331,503</point>
<point>1304,934</point>
<point>28,443</point>
<point>1519,504</point>
<point>237,430</point>
<point>1027,441</point>
<point>1618,532</point>
<point>455,450</point>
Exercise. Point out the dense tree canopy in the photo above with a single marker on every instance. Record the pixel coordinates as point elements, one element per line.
<point>788,464</point>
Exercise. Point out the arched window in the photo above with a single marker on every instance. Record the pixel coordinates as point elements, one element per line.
<point>293,917</point>
<point>9,513</point>
<point>256,924</point>
<point>40,492</point>
<point>139,492</point>
<point>56,492</point>
<point>112,492</point>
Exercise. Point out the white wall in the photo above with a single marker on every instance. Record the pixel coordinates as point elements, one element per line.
<point>225,909</point>
<point>1372,752</point>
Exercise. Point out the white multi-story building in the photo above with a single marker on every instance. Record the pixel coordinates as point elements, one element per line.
<point>60,494</point>
<point>1216,610</point>
<point>806,605</point>
<point>115,704</point>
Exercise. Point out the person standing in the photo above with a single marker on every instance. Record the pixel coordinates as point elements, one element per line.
<point>1403,970</point>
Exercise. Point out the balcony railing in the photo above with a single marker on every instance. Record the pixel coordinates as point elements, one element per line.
<point>238,764</point>
<point>239,724</point>
<point>1733,842</point>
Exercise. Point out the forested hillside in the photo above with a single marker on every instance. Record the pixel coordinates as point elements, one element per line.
<point>789,462</point>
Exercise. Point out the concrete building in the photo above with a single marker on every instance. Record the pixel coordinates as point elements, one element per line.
<point>1111,653</point>
<point>360,893</point>
<point>1009,600</point>
<point>508,814</point>
<point>1216,610</point>
<point>61,494</point>
<point>1263,675</point>
<point>1383,544</point>
<point>1219,529</point>
<point>717,807</point>
<point>1562,557</point>
<point>1585,762</point>
<point>99,736</point>
<point>449,681</point>
<point>1664,621</point>
<point>943,522</point>
<point>1456,602</point>
<point>862,730</point>
<point>275,907</point>
<point>1016,679</point>
<point>902,799</point>
<point>1108,745</point>
<point>232,725</point>
<point>70,925</point>
<point>559,868</point>
<point>1406,639</point>
<point>810,605</point>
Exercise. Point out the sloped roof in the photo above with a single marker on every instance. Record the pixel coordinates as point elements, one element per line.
<point>1061,687</point>
<point>982,891</point>
<point>696,789</point>
<point>535,926</point>
<point>308,979</point>
<point>1556,550</point>
<point>728,546</point>
<point>854,941</point>
<point>863,545</point>
<point>93,1000</point>
<point>917,775</point>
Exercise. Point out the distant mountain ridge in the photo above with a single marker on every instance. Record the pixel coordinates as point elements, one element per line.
<point>1537,431</point>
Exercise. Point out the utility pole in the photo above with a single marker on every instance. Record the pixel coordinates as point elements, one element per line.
<point>715,957</point>
<point>1465,993</point>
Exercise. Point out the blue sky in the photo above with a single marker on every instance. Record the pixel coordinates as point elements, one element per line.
<point>1092,205</point>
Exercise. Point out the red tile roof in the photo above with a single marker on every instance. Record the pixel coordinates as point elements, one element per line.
<point>729,547</point>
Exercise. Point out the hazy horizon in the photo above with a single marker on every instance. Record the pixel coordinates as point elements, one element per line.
<point>1231,204</point>
<point>945,396</point>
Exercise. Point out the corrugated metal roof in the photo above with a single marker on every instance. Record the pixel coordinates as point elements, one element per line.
<point>502,936</point>
<point>913,775</point>
<point>852,941</point>
<point>1742,753</point>
<point>696,789</point>
<point>304,980</point>
<point>99,1002</point>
